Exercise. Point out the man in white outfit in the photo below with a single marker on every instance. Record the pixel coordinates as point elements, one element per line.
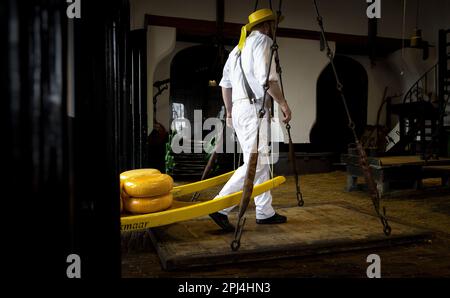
<point>254,53</point>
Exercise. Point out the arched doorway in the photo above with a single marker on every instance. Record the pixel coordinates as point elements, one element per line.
<point>330,131</point>
<point>195,74</point>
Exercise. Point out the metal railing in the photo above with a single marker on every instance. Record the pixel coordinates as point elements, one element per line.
<point>425,88</point>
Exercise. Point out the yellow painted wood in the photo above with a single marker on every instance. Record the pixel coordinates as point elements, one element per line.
<point>181,190</point>
<point>181,211</point>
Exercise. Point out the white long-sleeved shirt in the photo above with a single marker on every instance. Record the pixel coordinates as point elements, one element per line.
<point>255,62</point>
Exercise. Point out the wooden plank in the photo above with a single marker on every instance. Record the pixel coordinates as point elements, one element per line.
<point>443,169</point>
<point>411,160</point>
<point>437,171</point>
<point>309,231</point>
<point>386,161</point>
<point>353,159</point>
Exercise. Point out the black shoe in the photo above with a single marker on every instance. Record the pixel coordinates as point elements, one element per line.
<point>275,219</point>
<point>222,221</point>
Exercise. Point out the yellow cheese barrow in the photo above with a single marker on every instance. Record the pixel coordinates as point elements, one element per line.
<point>180,211</point>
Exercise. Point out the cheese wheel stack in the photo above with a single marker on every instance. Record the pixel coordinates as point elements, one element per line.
<point>145,191</point>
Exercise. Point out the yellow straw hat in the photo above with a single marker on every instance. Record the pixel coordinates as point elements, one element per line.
<point>257,17</point>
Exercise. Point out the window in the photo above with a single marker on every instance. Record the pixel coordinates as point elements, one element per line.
<point>178,116</point>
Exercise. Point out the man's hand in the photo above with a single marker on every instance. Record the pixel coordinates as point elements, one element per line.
<point>286,112</point>
<point>277,94</point>
<point>229,121</point>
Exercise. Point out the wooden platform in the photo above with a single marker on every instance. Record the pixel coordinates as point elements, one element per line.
<point>309,231</point>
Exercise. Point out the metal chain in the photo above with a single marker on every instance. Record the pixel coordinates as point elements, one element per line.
<point>374,193</point>
<point>299,194</point>
<point>236,243</point>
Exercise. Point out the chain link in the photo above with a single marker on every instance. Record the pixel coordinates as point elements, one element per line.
<point>374,194</point>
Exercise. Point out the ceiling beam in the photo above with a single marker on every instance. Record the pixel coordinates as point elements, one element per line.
<point>192,30</point>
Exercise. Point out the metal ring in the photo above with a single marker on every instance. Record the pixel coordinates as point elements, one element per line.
<point>351,125</point>
<point>288,126</point>
<point>235,244</point>
<point>300,200</point>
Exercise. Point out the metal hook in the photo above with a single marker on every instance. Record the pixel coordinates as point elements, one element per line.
<point>236,243</point>
<point>262,112</point>
<point>387,228</point>
<point>351,125</point>
<point>300,199</point>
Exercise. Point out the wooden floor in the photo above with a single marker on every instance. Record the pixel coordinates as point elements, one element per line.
<point>428,208</point>
<point>309,231</point>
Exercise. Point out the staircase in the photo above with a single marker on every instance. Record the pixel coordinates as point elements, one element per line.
<point>424,114</point>
<point>190,166</point>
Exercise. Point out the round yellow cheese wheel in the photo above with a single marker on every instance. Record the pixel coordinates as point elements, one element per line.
<point>136,172</point>
<point>123,194</point>
<point>133,173</point>
<point>148,205</point>
<point>121,205</point>
<point>143,186</point>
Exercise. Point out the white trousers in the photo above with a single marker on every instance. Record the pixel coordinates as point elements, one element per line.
<point>245,124</point>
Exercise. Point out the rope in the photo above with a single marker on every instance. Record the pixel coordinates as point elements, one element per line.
<point>211,161</point>
<point>239,160</point>
<point>234,152</point>
<point>256,5</point>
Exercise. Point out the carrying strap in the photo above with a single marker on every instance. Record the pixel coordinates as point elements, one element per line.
<point>251,96</point>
